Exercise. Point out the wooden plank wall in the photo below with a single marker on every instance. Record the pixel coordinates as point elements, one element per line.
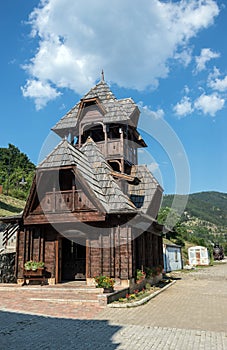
<point>148,250</point>
<point>111,254</point>
<point>37,244</point>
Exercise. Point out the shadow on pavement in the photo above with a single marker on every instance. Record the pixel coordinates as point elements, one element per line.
<point>20,331</point>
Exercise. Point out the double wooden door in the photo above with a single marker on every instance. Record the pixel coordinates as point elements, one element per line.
<point>72,260</point>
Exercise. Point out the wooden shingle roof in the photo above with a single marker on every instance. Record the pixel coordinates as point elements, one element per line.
<point>147,194</point>
<point>123,111</point>
<point>116,199</point>
<point>64,154</point>
<point>90,166</point>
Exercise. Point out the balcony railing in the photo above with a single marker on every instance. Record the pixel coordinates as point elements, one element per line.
<point>115,149</point>
<point>64,201</point>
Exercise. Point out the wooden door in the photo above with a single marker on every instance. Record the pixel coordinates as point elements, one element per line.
<point>73,260</point>
<point>197,257</point>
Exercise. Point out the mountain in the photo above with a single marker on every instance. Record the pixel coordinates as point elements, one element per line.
<point>206,206</point>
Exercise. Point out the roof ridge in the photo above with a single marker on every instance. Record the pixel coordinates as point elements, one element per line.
<point>69,149</point>
<point>106,176</point>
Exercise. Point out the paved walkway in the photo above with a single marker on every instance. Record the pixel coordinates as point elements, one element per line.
<point>191,314</point>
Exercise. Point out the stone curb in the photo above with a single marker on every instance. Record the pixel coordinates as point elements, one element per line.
<point>142,301</point>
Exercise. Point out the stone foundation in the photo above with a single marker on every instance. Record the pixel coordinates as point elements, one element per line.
<point>7,268</point>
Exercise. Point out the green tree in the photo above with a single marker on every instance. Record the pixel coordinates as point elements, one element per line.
<point>16,172</point>
<point>168,217</point>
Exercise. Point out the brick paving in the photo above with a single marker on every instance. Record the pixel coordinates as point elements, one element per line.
<point>191,314</point>
<point>53,302</point>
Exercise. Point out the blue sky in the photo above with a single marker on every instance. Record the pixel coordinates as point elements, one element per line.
<point>169,56</point>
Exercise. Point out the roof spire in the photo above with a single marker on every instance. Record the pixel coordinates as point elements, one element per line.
<point>102,76</point>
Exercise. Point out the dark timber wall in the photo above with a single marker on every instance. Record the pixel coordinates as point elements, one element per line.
<point>37,244</point>
<point>114,258</point>
<point>112,251</point>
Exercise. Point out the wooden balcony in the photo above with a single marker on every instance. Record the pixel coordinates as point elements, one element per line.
<point>115,150</point>
<point>64,201</point>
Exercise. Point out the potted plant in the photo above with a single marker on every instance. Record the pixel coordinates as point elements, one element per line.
<point>154,274</point>
<point>28,265</point>
<point>40,265</point>
<point>34,265</point>
<point>140,276</point>
<point>105,282</point>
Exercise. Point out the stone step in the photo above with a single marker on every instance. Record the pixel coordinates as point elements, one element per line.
<point>57,294</point>
<point>62,299</point>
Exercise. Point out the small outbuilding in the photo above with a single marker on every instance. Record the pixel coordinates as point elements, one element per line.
<point>172,256</point>
<point>198,255</point>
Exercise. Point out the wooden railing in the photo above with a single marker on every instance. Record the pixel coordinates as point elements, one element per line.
<point>115,150</point>
<point>8,233</point>
<point>64,201</point>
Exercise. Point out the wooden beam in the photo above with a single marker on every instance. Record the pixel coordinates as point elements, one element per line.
<point>64,218</point>
<point>124,176</point>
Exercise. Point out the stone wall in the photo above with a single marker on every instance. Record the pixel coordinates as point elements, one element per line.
<point>7,268</point>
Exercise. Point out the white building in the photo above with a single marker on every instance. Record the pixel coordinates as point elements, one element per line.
<point>198,256</point>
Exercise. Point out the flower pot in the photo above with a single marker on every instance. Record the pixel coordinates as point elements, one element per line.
<point>108,290</point>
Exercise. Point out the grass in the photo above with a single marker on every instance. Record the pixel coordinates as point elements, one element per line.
<point>10,206</point>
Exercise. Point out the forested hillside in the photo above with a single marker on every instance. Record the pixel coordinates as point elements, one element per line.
<point>203,222</point>
<point>16,172</point>
<point>208,206</point>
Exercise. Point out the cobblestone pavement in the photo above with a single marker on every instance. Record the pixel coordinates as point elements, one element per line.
<point>191,314</point>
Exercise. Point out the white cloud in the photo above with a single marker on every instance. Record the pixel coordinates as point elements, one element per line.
<point>184,57</point>
<point>153,167</point>
<point>159,114</point>
<point>219,84</point>
<point>40,91</point>
<point>209,104</point>
<point>186,89</point>
<point>205,56</point>
<point>131,42</point>
<point>216,83</point>
<point>183,107</point>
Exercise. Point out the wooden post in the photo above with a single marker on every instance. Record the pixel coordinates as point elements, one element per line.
<point>54,199</point>
<point>40,243</point>
<point>73,197</point>
<point>122,148</point>
<point>57,260</point>
<point>88,263</point>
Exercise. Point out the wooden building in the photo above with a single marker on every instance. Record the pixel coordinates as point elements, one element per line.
<point>92,209</point>
<point>172,256</point>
